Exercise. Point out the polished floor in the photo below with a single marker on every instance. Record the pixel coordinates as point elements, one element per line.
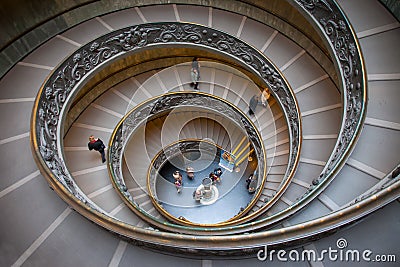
<point>233,194</point>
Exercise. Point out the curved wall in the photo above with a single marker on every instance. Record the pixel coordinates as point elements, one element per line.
<point>40,26</point>
<point>374,231</point>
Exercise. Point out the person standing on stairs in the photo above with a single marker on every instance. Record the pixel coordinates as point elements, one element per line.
<point>97,145</point>
<point>190,172</point>
<point>265,96</point>
<point>195,73</point>
<point>196,64</point>
<point>178,181</point>
<point>253,104</point>
<point>214,178</point>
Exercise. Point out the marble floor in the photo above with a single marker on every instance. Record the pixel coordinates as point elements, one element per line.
<point>233,194</point>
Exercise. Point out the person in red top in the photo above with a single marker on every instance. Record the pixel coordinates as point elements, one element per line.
<point>97,145</point>
<point>178,181</point>
<point>214,178</point>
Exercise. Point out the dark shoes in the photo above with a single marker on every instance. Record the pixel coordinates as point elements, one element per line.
<point>396,172</point>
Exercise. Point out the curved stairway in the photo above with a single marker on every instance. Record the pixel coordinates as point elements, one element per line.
<point>319,102</point>
<point>270,124</point>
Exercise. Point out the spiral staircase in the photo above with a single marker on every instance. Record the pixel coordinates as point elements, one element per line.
<point>323,183</point>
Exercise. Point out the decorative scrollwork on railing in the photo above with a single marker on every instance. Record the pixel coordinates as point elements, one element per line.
<point>64,83</point>
<point>177,148</point>
<point>329,18</point>
<point>180,147</point>
<point>173,101</point>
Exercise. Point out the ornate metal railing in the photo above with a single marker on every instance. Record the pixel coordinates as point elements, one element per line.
<point>181,147</point>
<point>57,93</point>
<point>383,184</point>
<point>341,40</point>
<point>145,112</point>
<point>63,84</point>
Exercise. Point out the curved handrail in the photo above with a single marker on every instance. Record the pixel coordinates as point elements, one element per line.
<point>56,94</point>
<point>330,20</point>
<point>173,149</point>
<point>286,179</point>
<point>165,103</point>
<point>354,96</point>
<point>327,16</point>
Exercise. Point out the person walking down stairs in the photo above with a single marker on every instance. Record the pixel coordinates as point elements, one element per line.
<point>195,73</point>
<point>178,181</point>
<point>97,145</point>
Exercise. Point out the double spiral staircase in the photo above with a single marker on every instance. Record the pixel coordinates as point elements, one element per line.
<point>324,148</point>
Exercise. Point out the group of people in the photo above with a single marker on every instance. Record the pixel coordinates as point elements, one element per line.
<point>215,177</point>
<point>259,99</point>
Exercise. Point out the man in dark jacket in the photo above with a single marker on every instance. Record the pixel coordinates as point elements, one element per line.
<point>97,145</point>
<point>253,104</point>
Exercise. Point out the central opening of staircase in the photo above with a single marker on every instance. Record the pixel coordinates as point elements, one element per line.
<point>204,160</point>
<point>203,183</point>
